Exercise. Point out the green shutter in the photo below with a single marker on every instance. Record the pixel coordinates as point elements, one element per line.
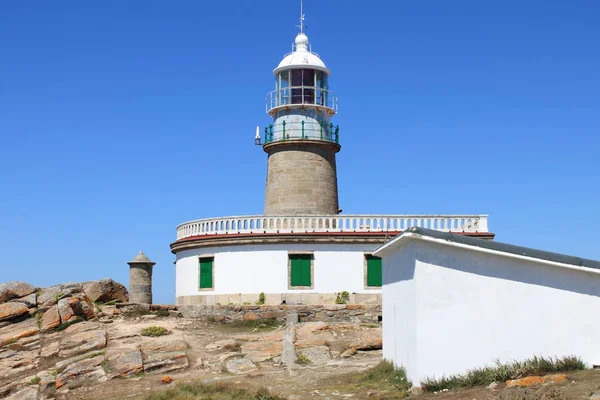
<point>373,271</point>
<point>300,269</point>
<point>206,273</point>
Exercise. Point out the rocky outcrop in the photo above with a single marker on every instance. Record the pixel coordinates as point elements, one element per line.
<point>316,355</point>
<point>62,328</point>
<point>50,319</point>
<point>30,300</point>
<point>10,311</point>
<point>106,290</point>
<point>84,371</point>
<point>70,308</point>
<point>82,338</point>
<point>124,363</point>
<point>15,290</point>
<point>240,366</point>
<point>536,380</point>
<point>162,362</point>
<point>13,332</point>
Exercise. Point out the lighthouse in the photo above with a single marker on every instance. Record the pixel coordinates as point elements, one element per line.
<point>302,250</point>
<point>301,142</point>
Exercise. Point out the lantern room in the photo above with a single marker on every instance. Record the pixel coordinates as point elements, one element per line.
<point>302,102</point>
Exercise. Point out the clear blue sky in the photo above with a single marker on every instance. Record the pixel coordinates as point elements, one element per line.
<point>120,120</point>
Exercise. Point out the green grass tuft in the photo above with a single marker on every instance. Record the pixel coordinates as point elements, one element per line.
<point>191,391</point>
<point>35,381</point>
<point>154,331</point>
<point>502,372</point>
<point>161,313</point>
<point>342,297</point>
<point>302,359</point>
<point>385,372</point>
<point>256,325</point>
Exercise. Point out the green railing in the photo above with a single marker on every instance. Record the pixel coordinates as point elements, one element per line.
<point>302,131</point>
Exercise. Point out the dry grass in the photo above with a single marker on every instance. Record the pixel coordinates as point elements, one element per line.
<point>503,372</point>
<point>384,381</point>
<point>193,391</point>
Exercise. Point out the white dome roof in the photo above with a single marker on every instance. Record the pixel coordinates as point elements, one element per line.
<point>301,57</point>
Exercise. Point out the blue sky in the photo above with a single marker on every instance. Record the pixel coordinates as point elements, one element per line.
<point>120,120</point>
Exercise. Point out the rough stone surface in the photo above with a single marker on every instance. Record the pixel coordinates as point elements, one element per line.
<point>9,311</point>
<point>47,384</point>
<point>293,190</point>
<point>83,327</point>
<point>536,380</point>
<point>262,351</point>
<point>14,332</point>
<point>14,363</point>
<point>317,355</point>
<point>227,345</point>
<point>175,345</point>
<point>240,366</point>
<point>372,341</point>
<point>348,353</point>
<point>80,372</point>
<point>83,342</point>
<point>106,290</point>
<point>161,362</point>
<point>140,283</point>
<point>28,393</point>
<point>15,290</point>
<point>49,296</point>
<point>124,363</point>
<point>306,330</point>
<point>50,319</point>
<point>29,300</point>
<point>341,313</point>
<point>79,305</point>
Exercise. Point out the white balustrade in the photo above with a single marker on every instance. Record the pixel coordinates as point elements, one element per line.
<point>261,224</point>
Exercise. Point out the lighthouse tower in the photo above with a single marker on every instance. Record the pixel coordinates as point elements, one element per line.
<point>302,142</point>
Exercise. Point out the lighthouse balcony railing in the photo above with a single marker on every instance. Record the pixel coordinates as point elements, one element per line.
<point>302,95</point>
<point>299,224</point>
<point>302,131</point>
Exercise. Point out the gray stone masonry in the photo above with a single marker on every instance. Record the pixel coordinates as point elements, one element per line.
<point>301,179</point>
<point>332,313</point>
<point>140,279</point>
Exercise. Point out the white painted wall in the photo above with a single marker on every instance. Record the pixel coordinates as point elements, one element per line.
<point>457,309</point>
<point>264,268</point>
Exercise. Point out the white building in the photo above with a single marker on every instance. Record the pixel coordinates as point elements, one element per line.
<point>452,303</point>
<point>302,250</point>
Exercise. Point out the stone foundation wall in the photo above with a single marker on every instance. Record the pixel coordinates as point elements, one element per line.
<point>276,299</point>
<point>327,313</point>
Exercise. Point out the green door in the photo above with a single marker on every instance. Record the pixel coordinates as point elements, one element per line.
<point>206,273</point>
<point>373,271</point>
<point>300,269</point>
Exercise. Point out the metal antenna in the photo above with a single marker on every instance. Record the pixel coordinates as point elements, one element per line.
<point>301,26</point>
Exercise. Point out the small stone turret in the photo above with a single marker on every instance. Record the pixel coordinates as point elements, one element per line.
<point>140,279</point>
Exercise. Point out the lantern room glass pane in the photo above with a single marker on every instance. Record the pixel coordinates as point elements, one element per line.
<point>296,86</point>
<point>283,88</point>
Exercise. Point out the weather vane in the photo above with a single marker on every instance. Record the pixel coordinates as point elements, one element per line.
<point>302,26</point>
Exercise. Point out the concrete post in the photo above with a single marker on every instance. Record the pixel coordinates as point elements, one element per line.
<point>140,279</point>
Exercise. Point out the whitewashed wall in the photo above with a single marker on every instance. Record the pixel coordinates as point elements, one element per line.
<point>447,310</point>
<point>264,268</point>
